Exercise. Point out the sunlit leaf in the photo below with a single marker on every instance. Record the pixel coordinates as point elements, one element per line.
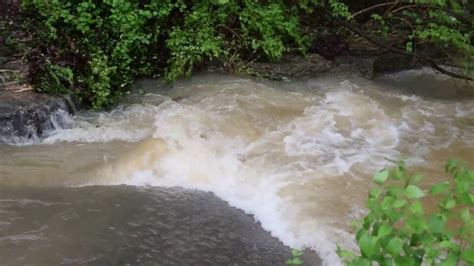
<point>414,192</point>
<point>381,177</point>
<point>394,246</point>
<point>367,244</point>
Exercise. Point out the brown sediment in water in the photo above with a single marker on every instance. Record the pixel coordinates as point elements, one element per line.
<point>298,156</point>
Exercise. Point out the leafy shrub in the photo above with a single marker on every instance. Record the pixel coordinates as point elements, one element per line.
<point>399,231</point>
<point>110,42</point>
<point>438,32</point>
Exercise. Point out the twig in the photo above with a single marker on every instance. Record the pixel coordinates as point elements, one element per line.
<point>381,44</point>
<point>373,7</point>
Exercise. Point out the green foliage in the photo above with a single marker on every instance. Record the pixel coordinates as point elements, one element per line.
<point>398,230</point>
<point>445,27</point>
<point>110,42</point>
<point>295,257</point>
<point>55,79</point>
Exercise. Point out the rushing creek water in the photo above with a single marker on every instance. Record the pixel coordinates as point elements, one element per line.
<point>299,156</point>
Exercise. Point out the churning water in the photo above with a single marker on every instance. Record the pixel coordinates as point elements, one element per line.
<point>299,156</point>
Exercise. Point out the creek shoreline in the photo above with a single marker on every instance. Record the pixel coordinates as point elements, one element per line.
<point>25,114</point>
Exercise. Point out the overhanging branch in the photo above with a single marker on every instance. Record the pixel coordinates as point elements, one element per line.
<point>432,63</point>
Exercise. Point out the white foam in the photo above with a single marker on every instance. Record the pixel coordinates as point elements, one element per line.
<point>288,158</point>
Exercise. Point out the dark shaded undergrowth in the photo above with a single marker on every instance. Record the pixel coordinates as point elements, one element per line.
<point>94,49</point>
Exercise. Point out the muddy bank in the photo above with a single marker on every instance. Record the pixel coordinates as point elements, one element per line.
<point>119,225</point>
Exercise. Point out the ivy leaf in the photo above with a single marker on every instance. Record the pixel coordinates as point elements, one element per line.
<point>381,177</point>
<point>414,192</point>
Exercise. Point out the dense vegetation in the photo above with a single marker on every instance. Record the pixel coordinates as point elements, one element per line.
<point>96,48</point>
<point>400,230</point>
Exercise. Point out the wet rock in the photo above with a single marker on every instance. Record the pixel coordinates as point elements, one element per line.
<point>26,114</point>
<point>122,225</point>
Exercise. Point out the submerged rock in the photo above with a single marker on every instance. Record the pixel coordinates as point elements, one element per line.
<point>122,225</point>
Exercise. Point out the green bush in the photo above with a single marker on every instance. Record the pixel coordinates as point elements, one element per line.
<point>108,43</point>
<point>398,229</point>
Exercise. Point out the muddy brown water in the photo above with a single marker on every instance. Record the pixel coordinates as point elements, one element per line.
<point>296,156</point>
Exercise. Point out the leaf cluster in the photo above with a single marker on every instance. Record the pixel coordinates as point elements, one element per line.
<point>399,230</point>
<point>108,43</point>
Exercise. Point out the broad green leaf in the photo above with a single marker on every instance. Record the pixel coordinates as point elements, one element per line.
<point>416,207</point>
<point>414,192</point>
<point>344,253</point>
<point>375,192</point>
<point>381,177</point>
<point>404,261</point>
<point>360,262</point>
<point>373,204</point>
<point>384,230</point>
<point>415,222</point>
<point>296,261</point>
<point>437,223</point>
<point>296,252</point>
<point>398,174</point>
<point>399,203</point>
<point>449,203</point>
<point>440,188</point>
<point>387,202</point>
<point>360,233</point>
<point>451,260</point>
<point>396,191</point>
<point>368,244</point>
<point>449,245</point>
<point>466,215</point>
<point>393,215</point>
<point>468,255</point>
<point>394,246</point>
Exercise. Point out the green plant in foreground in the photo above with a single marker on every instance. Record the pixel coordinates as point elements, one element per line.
<point>398,230</point>
<point>295,257</point>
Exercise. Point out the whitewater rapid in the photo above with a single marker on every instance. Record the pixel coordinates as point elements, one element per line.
<point>298,156</point>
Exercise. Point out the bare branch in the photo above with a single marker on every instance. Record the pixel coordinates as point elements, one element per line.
<point>373,7</point>
<point>432,63</point>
